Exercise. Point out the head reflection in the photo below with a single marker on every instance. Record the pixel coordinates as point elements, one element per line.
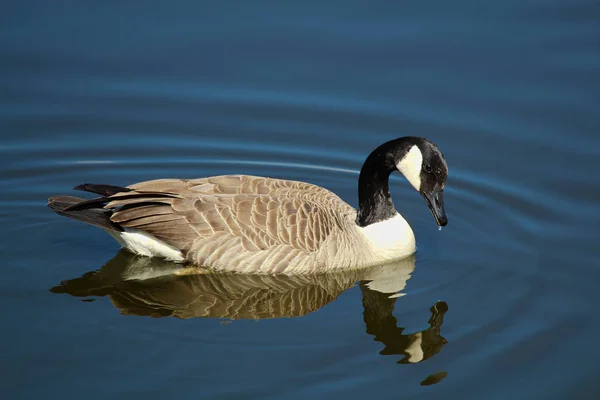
<point>381,323</point>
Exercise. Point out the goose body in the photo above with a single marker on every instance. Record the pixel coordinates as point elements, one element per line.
<point>254,224</point>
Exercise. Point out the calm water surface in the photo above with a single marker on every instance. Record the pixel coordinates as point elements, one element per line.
<point>500,304</point>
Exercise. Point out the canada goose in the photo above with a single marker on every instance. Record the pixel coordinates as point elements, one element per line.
<point>255,224</point>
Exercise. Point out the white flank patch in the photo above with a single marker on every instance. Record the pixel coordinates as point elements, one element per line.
<point>410,166</point>
<point>144,244</point>
<point>391,239</point>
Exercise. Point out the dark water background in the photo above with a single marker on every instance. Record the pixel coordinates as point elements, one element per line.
<point>119,92</point>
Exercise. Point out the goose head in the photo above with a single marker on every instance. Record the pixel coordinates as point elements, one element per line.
<point>423,165</point>
<point>425,168</point>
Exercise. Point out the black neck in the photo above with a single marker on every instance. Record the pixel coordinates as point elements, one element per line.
<point>374,199</point>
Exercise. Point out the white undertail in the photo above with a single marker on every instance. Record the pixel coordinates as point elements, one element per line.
<point>144,244</point>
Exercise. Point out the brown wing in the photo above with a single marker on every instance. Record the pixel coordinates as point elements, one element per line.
<point>260,213</point>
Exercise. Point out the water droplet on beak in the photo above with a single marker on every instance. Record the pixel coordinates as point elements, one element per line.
<point>439,228</point>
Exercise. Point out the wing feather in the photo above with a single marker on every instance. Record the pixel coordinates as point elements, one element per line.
<point>254,212</point>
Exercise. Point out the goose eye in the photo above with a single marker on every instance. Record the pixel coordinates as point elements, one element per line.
<point>427,167</point>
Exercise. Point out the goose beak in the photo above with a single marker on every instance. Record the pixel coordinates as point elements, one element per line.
<point>435,201</point>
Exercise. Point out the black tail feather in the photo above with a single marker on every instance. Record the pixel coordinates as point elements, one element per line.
<point>101,201</point>
<point>95,216</point>
<point>98,202</point>
<point>59,203</point>
<point>102,190</point>
<point>92,211</point>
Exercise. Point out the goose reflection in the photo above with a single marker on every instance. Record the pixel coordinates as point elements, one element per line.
<point>382,324</point>
<point>157,288</point>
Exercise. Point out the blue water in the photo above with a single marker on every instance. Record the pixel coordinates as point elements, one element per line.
<point>120,92</point>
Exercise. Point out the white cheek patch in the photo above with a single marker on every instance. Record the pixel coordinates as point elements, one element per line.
<point>410,166</point>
